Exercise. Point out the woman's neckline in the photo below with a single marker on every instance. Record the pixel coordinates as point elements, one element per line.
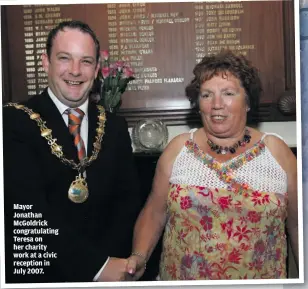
<point>207,155</point>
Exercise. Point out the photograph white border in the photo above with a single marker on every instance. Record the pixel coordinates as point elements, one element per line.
<point>169,283</point>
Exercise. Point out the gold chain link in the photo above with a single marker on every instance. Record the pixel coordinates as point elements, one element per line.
<point>57,149</point>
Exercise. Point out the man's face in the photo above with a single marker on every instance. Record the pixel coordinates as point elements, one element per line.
<point>72,66</point>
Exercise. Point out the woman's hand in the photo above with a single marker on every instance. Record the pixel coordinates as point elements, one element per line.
<point>115,270</point>
<point>135,267</point>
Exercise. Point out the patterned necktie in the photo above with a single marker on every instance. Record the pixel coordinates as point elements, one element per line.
<point>74,122</point>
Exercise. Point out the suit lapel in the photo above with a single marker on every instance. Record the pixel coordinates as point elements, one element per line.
<point>54,120</point>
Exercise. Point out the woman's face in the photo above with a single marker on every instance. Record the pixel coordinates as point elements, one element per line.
<point>223,106</point>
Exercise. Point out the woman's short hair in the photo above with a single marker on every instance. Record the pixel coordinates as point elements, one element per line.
<point>226,61</point>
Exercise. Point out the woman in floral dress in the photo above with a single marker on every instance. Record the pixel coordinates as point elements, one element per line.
<point>222,194</point>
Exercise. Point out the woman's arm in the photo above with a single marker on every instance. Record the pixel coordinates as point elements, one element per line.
<point>287,161</point>
<point>153,216</point>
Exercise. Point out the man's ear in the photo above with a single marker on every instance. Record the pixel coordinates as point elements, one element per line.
<point>45,62</point>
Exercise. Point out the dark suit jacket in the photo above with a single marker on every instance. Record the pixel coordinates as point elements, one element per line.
<point>88,232</point>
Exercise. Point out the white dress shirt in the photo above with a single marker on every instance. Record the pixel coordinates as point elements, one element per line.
<point>84,124</point>
<point>83,133</point>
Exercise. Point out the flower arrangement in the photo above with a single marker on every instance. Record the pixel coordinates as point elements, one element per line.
<point>114,77</point>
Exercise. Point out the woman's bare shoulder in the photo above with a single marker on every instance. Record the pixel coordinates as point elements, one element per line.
<point>175,146</point>
<point>280,151</point>
<point>167,158</point>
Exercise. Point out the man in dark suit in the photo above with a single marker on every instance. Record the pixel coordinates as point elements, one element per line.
<point>94,227</point>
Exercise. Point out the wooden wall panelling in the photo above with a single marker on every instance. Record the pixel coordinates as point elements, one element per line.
<point>173,36</point>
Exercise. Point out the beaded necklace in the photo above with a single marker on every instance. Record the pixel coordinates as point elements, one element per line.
<point>232,149</point>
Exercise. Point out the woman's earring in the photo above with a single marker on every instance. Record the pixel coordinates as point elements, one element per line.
<point>247,109</point>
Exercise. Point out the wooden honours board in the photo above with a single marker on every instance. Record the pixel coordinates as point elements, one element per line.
<point>162,42</point>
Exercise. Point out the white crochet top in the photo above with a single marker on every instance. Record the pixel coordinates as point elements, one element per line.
<point>263,173</point>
